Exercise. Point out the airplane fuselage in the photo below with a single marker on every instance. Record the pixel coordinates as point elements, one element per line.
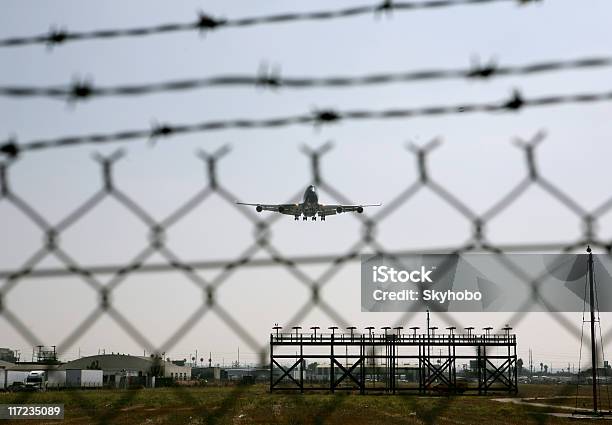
<point>310,204</point>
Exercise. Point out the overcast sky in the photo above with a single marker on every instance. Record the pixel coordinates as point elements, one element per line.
<point>477,161</point>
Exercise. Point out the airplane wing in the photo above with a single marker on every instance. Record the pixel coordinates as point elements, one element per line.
<point>289,209</point>
<point>338,209</point>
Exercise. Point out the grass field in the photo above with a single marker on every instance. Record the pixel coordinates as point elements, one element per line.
<point>255,405</point>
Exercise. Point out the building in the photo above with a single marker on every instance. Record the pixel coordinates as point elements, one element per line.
<point>18,372</point>
<point>8,355</point>
<point>117,366</point>
<point>213,373</point>
<point>117,370</point>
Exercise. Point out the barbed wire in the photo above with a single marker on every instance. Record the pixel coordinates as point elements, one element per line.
<point>79,90</point>
<point>317,118</point>
<point>207,23</point>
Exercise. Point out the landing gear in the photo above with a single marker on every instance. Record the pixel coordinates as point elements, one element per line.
<point>297,217</point>
<point>314,218</point>
<point>322,218</point>
<point>304,218</point>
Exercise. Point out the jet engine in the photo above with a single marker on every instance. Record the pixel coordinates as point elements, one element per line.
<point>359,210</point>
<point>281,209</point>
<point>258,208</point>
<point>339,210</point>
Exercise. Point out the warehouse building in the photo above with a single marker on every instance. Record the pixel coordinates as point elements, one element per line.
<point>115,370</point>
<point>123,369</point>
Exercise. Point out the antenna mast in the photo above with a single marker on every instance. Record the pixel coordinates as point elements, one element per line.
<point>593,343</point>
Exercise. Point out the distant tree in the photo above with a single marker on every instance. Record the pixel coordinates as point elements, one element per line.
<point>541,367</point>
<point>519,364</point>
<point>546,369</point>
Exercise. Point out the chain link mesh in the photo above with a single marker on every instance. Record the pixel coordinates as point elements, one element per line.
<point>262,243</point>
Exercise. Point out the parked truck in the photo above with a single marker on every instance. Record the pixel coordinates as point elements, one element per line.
<point>36,380</point>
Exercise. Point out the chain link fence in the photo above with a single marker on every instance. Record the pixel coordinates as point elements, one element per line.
<point>262,243</point>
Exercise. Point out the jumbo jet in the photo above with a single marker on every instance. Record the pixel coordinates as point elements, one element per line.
<point>309,207</point>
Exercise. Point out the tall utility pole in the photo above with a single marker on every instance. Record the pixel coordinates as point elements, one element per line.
<point>593,347</point>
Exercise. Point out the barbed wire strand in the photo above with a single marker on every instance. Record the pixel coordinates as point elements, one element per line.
<point>318,118</point>
<point>273,80</point>
<point>207,23</point>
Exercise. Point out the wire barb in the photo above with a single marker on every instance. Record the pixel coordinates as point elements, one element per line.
<point>55,37</point>
<point>10,148</point>
<point>206,22</point>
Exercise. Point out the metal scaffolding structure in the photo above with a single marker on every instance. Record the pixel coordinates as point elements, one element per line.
<point>393,361</point>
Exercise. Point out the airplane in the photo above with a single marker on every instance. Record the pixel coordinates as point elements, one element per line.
<point>309,207</point>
